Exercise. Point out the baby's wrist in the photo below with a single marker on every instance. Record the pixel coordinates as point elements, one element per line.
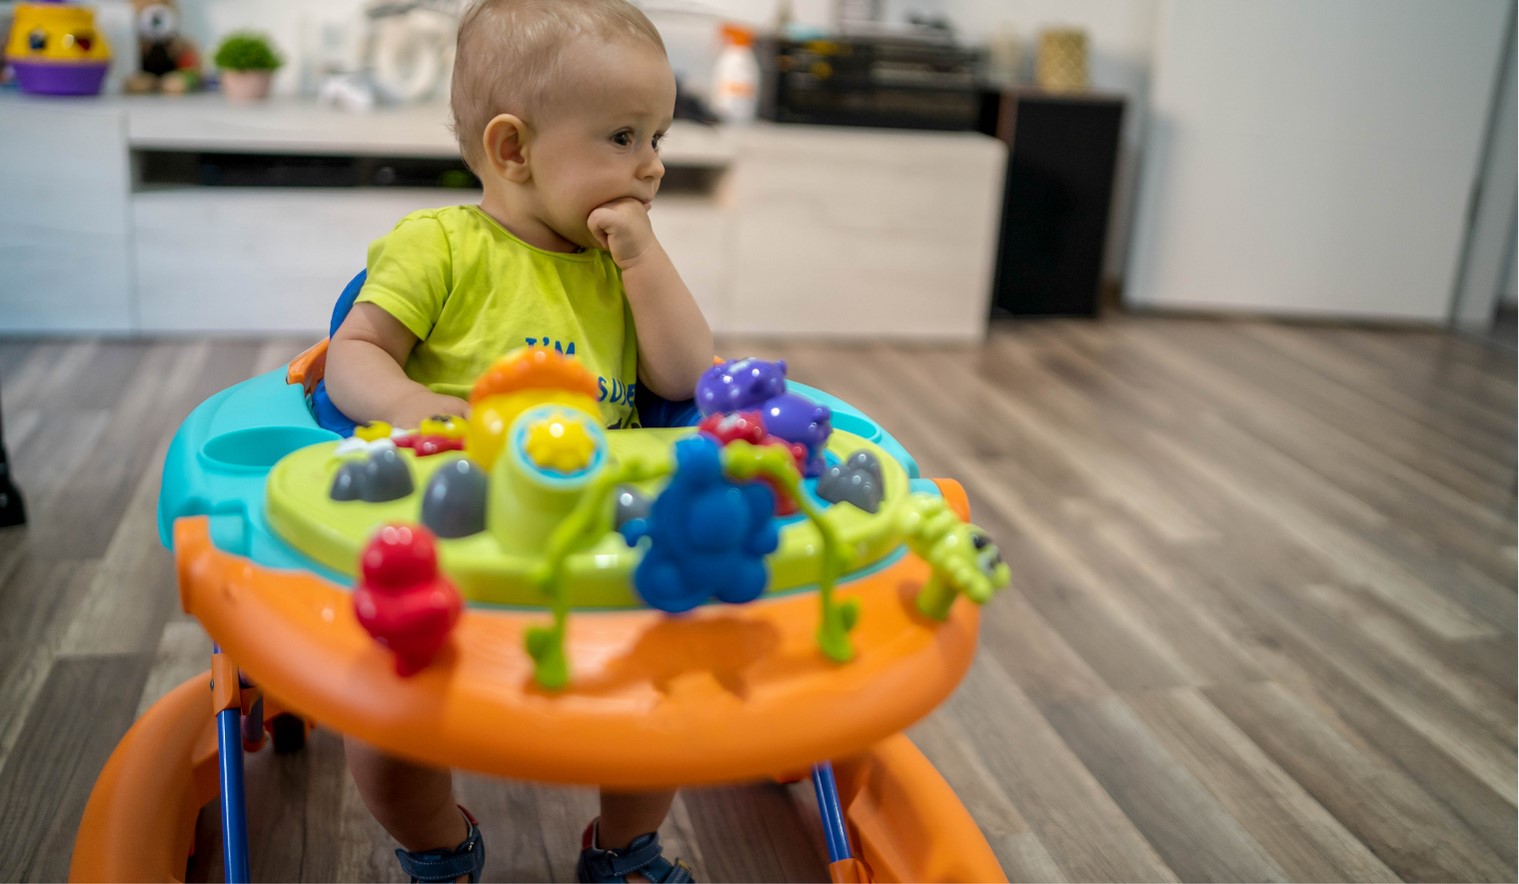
<point>651,253</point>
<point>421,404</point>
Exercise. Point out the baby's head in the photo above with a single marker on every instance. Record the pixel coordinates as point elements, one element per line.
<point>583,85</point>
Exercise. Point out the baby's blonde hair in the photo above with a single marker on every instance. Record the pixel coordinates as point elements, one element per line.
<point>508,54</point>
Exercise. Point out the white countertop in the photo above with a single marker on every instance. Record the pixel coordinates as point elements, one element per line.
<point>209,122</point>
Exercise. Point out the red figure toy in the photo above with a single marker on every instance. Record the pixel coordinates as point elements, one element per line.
<point>402,599</point>
<point>427,446</point>
<point>748,426</point>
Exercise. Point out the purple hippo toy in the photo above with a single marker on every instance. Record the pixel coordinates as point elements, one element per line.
<point>739,385</point>
<point>796,418</point>
<point>757,385</point>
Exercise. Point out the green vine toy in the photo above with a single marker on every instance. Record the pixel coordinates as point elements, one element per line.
<point>744,461</point>
<point>588,522</point>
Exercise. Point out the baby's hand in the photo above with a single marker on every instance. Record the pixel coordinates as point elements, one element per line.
<point>410,412</point>
<point>622,227</point>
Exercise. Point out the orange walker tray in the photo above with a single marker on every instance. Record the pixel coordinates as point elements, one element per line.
<point>724,693</point>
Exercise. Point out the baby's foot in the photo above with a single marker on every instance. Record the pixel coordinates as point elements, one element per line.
<point>642,860</point>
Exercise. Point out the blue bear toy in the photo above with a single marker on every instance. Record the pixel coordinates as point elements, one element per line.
<point>707,535</point>
<point>758,385</point>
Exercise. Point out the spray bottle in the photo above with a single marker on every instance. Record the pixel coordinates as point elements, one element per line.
<point>735,79</point>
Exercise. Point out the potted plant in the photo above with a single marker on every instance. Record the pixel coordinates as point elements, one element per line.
<point>247,62</point>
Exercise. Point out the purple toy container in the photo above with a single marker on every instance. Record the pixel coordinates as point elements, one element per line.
<point>51,78</point>
<point>55,48</point>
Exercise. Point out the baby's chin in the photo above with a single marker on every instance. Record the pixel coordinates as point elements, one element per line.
<point>579,237</point>
<point>584,239</point>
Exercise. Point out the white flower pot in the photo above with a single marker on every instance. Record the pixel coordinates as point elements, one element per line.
<point>246,85</point>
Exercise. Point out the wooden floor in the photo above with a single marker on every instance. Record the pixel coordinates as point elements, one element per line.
<point>1263,626</point>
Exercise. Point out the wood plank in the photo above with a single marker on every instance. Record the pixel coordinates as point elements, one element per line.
<point>1371,798</point>
<point>1384,453</point>
<point>49,449</point>
<point>39,598</point>
<point>1466,422</point>
<point>516,849</point>
<point>1355,411</point>
<point>1290,651</point>
<point>82,710</point>
<point>184,650</point>
<point>776,844</point>
<point>1489,814</point>
<point>1195,834</point>
<point>1033,653</point>
<point>1023,858</point>
<point>1260,427</point>
<point>1086,834</point>
<point>52,366</point>
<point>950,749</point>
<point>1483,594</point>
<point>1462,366</point>
<point>1120,640</point>
<point>13,352</point>
<point>1304,840</point>
<point>1474,530</point>
<point>953,752</point>
<point>134,592</point>
<point>1473,738</point>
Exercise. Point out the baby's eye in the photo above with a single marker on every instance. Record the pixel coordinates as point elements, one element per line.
<point>623,139</point>
<point>659,141</point>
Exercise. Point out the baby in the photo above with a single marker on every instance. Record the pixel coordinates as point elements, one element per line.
<point>559,107</point>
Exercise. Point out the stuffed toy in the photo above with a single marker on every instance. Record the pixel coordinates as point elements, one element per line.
<point>169,62</point>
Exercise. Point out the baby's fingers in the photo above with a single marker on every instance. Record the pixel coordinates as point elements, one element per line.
<point>602,223</point>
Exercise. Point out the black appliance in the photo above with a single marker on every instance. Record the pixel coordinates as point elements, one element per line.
<point>904,81</point>
<point>1062,157</point>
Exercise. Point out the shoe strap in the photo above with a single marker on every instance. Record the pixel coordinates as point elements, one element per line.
<point>436,866</point>
<point>643,856</point>
<point>635,858</point>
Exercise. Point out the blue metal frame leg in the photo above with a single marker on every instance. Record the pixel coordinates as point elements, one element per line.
<point>229,760</point>
<point>833,814</point>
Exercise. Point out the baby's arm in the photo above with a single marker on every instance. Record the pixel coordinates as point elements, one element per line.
<point>674,340</point>
<point>365,378</point>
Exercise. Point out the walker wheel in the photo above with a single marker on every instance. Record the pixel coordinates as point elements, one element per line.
<point>289,733</point>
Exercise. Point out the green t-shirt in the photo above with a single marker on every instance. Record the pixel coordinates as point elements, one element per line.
<point>471,292</point>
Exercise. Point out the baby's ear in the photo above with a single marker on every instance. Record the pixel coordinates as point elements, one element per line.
<point>506,148</point>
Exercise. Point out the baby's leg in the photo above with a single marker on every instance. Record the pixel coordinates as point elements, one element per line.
<point>413,802</point>
<point>626,815</point>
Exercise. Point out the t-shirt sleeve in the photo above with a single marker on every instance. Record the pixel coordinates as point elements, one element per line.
<point>410,274</point>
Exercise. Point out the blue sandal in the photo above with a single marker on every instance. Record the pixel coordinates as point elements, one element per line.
<point>433,866</point>
<point>643,857</point>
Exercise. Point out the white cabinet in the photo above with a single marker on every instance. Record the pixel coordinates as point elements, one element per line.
<point>811,232</point>
<point>864,233</point>
<point>257,259</point>
<point>65,261</point>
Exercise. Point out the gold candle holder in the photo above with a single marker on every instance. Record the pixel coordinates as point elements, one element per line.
<point>1062,62</point>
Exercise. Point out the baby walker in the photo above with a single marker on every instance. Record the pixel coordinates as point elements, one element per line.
<point>771,591</point>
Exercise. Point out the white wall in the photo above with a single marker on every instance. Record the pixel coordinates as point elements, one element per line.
<point>1313,157</point>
